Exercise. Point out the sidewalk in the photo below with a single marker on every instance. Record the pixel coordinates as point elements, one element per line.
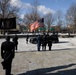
<point>60,61</point>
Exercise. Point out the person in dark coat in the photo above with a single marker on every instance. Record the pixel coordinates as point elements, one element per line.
<point>7,54</point>
<point>27,37</point>
<point>49,42</point>
<point>15,40</point>
<point>39,40</point>
<point>44,42</point>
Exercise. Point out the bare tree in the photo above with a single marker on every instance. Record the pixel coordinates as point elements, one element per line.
<point>49,20</point>
<point>71,16</point>
<point>34,10</point>
<point>59,19</point>
<point>33,14</point>
<point>30,18</point>
<point>7,10</point>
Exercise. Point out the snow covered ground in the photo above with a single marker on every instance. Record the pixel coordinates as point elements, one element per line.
<point>60,61</point>
<point>64,44</point>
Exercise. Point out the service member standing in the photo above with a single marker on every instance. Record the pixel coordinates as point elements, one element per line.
<point>39,41</point>
<point>49,42</point>
<point>44,42</point>
<point>7,54</point>
<point>15,40</point>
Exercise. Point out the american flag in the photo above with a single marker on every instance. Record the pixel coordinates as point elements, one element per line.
<point>37,24</point>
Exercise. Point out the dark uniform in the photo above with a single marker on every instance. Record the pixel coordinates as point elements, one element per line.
<point>15,40</point>
<point>7,54</point>
<point>44,42</point>
<point>27,37</point>
<point>39,40</point>
<point>49,42</point>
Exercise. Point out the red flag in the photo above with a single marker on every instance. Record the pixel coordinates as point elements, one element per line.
<point>37,24</point>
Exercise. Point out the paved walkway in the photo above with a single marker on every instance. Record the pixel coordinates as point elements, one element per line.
<point>60,61</point>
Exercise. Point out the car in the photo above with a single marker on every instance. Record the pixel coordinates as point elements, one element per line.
<point>54,38</point>
<point>33,40</point>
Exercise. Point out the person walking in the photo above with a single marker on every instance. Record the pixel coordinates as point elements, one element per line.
<point>15,40</point>
<point>27,37</point>
<point>7,54</point>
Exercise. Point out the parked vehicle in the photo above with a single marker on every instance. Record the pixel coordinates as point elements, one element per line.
<point>54,38</point>
<point>33,40</point>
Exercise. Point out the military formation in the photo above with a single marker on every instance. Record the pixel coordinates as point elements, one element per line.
<point>43,41</point>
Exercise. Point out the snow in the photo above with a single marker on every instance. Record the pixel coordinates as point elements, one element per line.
<point>64,44</point>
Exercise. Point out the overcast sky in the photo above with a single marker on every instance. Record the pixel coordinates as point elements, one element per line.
<point>45,6</point>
